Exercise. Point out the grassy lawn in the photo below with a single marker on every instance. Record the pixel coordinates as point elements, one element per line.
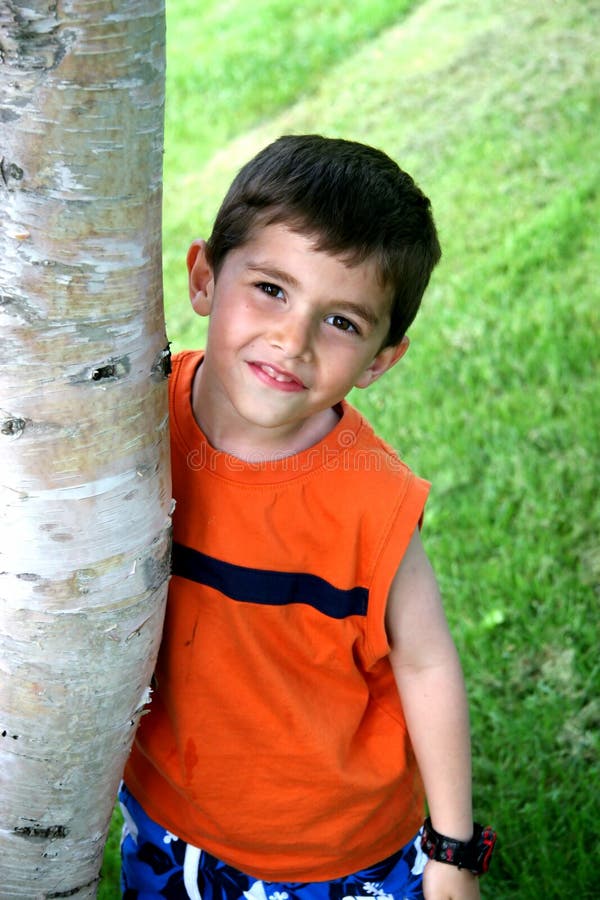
<point>494,109</point>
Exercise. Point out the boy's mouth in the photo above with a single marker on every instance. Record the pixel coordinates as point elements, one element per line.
<point>269,374</point>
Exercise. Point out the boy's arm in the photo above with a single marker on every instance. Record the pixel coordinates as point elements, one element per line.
<point>429,678</point>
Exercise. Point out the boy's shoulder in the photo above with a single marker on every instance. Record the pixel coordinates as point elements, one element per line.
<point>362,448</point>
<point>183,367</point>
<point>185,359</point>
<point>373,476</point>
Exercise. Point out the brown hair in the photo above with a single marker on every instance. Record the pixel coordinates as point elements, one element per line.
<point>353,198</point>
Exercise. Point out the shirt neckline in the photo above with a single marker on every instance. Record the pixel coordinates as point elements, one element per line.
<point>200,454</point>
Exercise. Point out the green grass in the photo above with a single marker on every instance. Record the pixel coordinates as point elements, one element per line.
<point>231,66</point>
<point>494,108</point>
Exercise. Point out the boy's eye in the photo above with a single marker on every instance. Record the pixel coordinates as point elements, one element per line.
<point>342,323</point>
<point>271,289</point>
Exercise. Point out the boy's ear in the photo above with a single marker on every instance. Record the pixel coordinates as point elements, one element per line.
<point>384,360</point>
<point>200,278</point>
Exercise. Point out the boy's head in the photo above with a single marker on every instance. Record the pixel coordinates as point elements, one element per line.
<point>354,199</point>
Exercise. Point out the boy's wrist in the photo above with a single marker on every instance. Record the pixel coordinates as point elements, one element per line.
<point>441,882</point>
<point>473,855</point>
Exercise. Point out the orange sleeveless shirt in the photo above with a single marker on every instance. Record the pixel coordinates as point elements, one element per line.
<point>275,738</point>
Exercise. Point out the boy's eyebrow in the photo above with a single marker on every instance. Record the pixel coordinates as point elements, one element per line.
<point>273,272</point>
<point>358,309</point>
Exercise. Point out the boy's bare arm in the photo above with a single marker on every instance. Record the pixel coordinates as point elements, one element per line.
<point>430,681</point>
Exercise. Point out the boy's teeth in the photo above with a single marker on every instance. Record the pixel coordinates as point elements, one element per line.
<point>278,376</point>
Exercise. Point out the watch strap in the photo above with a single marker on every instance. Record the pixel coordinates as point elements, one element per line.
<point>474,855</point>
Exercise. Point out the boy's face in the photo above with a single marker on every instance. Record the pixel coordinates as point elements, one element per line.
<point>291,331</point>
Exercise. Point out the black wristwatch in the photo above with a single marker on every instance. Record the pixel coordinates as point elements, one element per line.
<point>474,855</point>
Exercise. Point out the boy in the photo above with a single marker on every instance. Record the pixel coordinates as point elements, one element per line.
<point>307,691</point>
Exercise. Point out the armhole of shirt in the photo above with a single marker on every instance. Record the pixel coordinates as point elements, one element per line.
<point>407,516</point>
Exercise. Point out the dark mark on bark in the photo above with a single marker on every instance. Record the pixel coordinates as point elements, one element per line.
<point>7,115</point>
<point>76,890</point>
<point>61,536</point>
<point>13,427</point>
<point>18,306</point>
<point>10,172</point>
<point>161,367</point>
<point>42,832</point>
<point>157,570</point>
<point>110,370</point>
<point>34,40</point>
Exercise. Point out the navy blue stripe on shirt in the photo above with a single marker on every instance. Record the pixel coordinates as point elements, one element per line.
<point>268,587</point>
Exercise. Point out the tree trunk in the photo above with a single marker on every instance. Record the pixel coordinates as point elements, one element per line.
<point>85,490</point>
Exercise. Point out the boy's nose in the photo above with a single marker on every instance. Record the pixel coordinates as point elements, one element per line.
<point>293,334</point>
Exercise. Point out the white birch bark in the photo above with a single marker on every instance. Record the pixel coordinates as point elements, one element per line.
<point>85,491</point>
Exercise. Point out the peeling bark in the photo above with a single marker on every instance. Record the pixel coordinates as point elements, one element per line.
<point>85,495</point>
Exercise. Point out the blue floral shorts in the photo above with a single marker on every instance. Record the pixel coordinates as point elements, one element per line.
<point>156,863</point>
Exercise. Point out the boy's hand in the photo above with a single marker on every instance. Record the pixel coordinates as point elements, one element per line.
<point>444,882</point>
